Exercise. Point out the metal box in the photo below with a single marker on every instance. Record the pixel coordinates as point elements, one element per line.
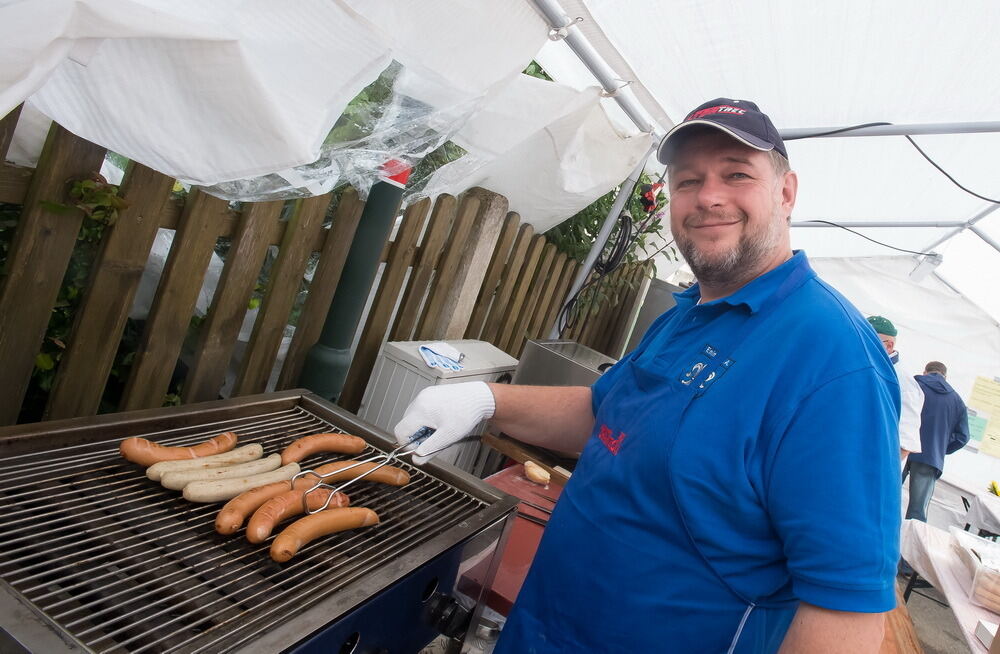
<point>400,373</point>
<point>560,363</point>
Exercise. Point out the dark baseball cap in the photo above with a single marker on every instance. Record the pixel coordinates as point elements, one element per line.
<point>741,119</point>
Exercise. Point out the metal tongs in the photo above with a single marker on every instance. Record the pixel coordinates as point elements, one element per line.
<point>409,447</point>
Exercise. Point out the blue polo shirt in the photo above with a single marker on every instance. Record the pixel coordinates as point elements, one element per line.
<point>744,458</point>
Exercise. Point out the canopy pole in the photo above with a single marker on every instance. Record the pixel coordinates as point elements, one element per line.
<point>986,237</point>
<point>967,224</point>
<point>890,130</point>
<point>563,27</point>
<point>882,223</point>
<point>624,193</point>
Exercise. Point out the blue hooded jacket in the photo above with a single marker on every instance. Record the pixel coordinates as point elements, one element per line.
<point>944,422</point>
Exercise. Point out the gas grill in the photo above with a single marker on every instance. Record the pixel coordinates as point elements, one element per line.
<point>98,558</point>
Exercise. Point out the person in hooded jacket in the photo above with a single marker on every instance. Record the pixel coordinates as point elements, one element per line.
<point>944,428</point>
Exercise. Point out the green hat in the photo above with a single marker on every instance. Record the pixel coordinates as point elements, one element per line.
<point>882,325</point>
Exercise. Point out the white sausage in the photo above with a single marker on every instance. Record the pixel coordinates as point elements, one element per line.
<point>181,478</point>
<point>239,455</point>
<point>226,489</point>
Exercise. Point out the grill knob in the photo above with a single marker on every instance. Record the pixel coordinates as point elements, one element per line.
<point>445,614</point>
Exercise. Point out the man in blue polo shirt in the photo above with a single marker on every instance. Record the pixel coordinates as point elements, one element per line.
<point>738,485</point>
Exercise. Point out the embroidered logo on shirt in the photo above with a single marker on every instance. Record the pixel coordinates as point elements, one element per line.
<point>613,444</point>
<point>710,351</point>
<point>695,370</point>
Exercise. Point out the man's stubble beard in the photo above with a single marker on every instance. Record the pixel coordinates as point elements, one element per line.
<point>741,263</point>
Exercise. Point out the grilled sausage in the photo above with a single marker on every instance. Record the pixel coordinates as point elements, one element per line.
<point>236,510</point>
<point>390,475</point>
<point>232,457</point>
<point>226,489</point>
<point>309,445</point>
<point>178,479</point>
<point>146,453</point>
<point>305,530</point>
<point>287,505</point>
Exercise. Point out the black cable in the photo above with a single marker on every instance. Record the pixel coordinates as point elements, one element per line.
<point>912,142</point>
<point>891,247</point>
<point>943,172</point>
<point>835,131</point>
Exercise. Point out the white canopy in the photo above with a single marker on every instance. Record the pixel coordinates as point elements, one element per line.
<point>827,65</point>
<point>218,92</point>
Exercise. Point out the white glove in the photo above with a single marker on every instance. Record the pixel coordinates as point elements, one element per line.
<point>453,410</point>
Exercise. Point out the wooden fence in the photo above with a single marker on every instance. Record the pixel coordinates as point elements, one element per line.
<point>456,268</point>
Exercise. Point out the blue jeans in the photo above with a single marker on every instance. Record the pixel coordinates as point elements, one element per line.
<point>922,480</point>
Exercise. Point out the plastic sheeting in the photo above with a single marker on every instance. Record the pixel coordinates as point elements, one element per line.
<point>549,149</point>
<point>214,92</point>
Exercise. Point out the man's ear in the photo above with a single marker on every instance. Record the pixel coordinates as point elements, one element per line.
<point>789,190</point>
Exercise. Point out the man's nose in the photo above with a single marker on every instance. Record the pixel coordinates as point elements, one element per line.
<point>711,193</point>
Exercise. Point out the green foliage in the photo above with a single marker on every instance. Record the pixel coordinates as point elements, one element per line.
<point>535,70</point>
<point>365,109</point>
<point>576,237</point>
<point>100,204</point>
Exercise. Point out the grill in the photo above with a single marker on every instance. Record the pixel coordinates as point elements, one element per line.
<point>98,558</point>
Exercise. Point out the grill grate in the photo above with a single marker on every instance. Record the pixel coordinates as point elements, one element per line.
<point>125,565</point>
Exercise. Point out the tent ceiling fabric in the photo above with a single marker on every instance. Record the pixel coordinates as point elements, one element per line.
<point>212,92</point>
<point>823,65</point>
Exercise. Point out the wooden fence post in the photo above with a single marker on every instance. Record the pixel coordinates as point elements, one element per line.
<point>491,282</point>
<point>377,324</point>
<point>100,320</point>
<point>286,276</point>
<point>498,310</point>
<point>7,126</point>
<point>458,295</point>
<point>218,334</point>
<point>37,261</point>
<point>442,218</point>
<point>176,297</point>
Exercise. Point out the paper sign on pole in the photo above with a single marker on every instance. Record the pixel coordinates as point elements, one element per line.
<point>984,415</point>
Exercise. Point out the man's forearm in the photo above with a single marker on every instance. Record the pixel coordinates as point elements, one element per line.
<point>816,630</point>
<point>555,417</point>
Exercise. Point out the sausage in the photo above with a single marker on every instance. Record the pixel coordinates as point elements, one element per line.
<point>309,445</point>
<point>219,490</point>
<point>286,505</point>
<point>178,479</point>
<point>232,457</point>
<point>146,453</point>
<point>236,510</point>
<point>305,530</point>
<point>390,475</point>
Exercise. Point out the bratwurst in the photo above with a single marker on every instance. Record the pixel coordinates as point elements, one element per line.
<point>309,445</point>
<point>305,530</point>
<point>287,505</point>
<point>146,452</point>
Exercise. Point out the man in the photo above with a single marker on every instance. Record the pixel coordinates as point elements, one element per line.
<point>911,396</point>
<point>944,428</point>
<point>736,489</point>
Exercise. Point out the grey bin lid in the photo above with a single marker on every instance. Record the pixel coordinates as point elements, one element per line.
<point>481,358</point>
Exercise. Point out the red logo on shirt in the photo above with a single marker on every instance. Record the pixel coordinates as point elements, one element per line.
<point>613,444</point>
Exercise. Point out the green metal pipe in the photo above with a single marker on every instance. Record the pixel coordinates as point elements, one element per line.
<point>328,361</point>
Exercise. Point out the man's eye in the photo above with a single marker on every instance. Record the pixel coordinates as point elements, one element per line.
<point>740,176</point>
<point>686,182</point>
